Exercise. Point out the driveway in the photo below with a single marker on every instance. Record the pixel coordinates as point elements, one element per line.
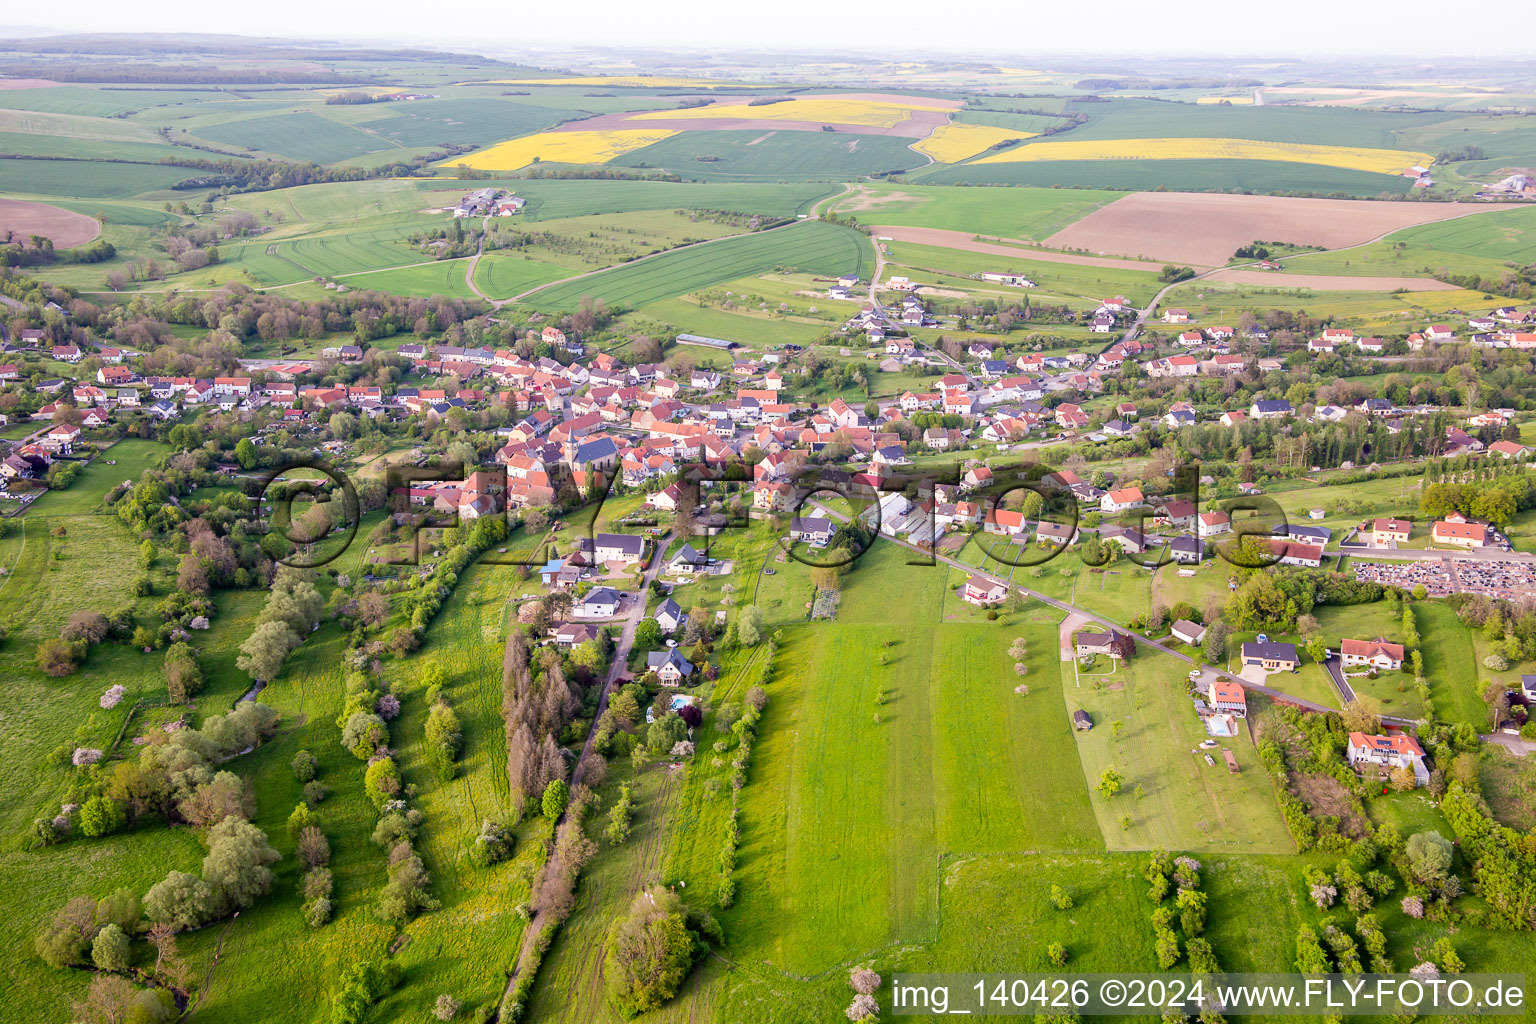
<point>1514,744</point>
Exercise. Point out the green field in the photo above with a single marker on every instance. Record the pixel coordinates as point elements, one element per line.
<point>1171,796</point>
<point>551,200</point>
<point>1031,214</point>
<point>813,246</point>
<point>88,179</point>
<point>1193,175</point>
<point>1056,278</point>
<point>846,814</point>
<point>767,153</point>
<point>1505,235</point>
<point>297,136</point>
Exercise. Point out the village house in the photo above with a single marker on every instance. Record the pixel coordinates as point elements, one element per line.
<point>1378,654</point>
<point>1113,644</point>
<point>1386,754</point>
<point>812,530</point>
<point>1226,696</point>
<point>600,603</point>
<point>1389,532</point>
<point>670,666</point>
<point>618,547</point>
<point>1460,535</point>
<point>1122,499</point>
<point>669,616</point>
<point>979,590</point>
<point>1271,656</point>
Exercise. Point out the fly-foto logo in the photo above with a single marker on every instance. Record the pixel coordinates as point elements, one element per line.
<point>1021,514</point>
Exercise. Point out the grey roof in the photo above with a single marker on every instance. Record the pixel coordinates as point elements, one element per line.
<point>627,543</point>
<point>671,609</point>
<point>1272,405</point>
<point>810,524</point>
<point>1188,628</point>
<point>601,595</point>
<point>1271,651</point>
<point>656,659</point>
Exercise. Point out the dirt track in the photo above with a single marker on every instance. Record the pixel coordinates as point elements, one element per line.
<point>1204,229</point>
<point>65,227</point>
<point>966,241</point>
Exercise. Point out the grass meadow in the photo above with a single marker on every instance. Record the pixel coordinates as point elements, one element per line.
<point>811,246</point>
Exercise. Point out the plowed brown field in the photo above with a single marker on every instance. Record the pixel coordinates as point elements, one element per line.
<point>1204,229</point>
<point>65,227</point>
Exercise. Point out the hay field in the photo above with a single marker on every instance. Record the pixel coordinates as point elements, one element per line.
<point>1382,161</point>
<point>561,147</point>
<point>950,143</point>
<point>1203,229</point>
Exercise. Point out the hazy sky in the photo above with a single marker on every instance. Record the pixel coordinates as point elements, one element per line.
<point>1298,28</point>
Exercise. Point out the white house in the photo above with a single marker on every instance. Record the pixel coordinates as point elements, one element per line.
<point>600,603</point>
<point>1376,653</point>
<point>1387,753</point>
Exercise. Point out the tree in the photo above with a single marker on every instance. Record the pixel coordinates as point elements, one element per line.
<point>445,1008</point>
<point>101,816</point>
<point>246,453</point>
<point>1214,646</point>
<point>749,625</point>
<point>1363,714</point>
<point>264,651</point>
<point>373,608</point>
<point>648,634</point>
<point>183,675</point>
<point>556,795</point>
<point>85,627</point>
<point>236,867</point>
<point>1110,782</point>
<point>110,951</point>
<point>1056,953</point>
<point>1429,854</point>
<point>625,709</point>
<point>665,732</point>
<point>68,936</point>
<point>863,980</point>
<point>179,901</point>
<point>650,952</point>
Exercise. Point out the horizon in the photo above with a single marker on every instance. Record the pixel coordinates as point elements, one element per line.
<point>1204,31</point>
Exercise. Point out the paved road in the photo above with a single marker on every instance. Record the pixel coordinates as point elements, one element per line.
<point>1422,555</point>
<point>626,642</point>
<point>1335,669</point>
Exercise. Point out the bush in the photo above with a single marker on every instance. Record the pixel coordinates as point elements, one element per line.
<point>304,766</point>
<point>59,658</point>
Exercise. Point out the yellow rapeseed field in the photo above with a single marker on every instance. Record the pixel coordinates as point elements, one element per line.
<point>560,147</point>
<point>950,143</point>
<point>1385,161</point>
<point>829,110</point>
